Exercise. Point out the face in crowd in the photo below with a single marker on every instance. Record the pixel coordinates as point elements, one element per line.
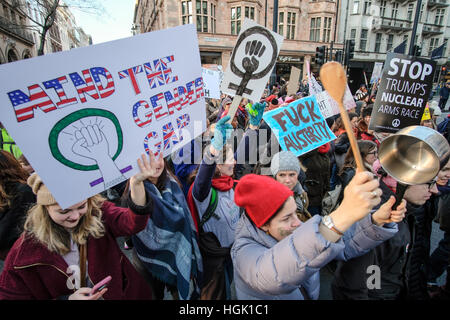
<point>70,217</point>
<point>444,175</point>
<point>371,156</point>
<point>354,122</point>
<point>288,178</point>
<point>284,222</point>
<point>227,168</point>
<point>419,194</point>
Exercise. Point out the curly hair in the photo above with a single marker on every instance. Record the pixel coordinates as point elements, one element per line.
<point>11,172</point>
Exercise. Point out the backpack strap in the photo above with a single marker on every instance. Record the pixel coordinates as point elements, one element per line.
<point>210,211</point>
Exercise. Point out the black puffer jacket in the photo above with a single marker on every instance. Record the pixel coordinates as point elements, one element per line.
<point>317,181</point>
<point>402,261</point>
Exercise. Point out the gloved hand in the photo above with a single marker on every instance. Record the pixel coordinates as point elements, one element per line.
<point>255,112</point>
<point>222,132</point>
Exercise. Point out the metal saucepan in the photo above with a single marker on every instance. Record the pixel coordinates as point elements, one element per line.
<point>413,155</point>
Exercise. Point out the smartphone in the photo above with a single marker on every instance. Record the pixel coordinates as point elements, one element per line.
<point>100,285</point>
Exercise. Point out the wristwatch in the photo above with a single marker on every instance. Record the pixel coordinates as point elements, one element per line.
<point>328,222</point>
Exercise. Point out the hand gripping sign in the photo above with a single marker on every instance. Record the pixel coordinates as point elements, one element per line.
<point>251,63</point>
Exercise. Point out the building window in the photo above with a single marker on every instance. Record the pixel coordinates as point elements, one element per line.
<point>405,39</point>
<point>213,18</point>
<point>353,34</point>
<point>383,8</point>
<point>390,42</point>
<point>439,17</point>
<point>314,32</point>
<point>421,12</point>
<point>378,42</point>
<point>355,7</point>
<point>363,40</point>
<point>367,4</point>
<point>281,23</point>
<point>433,45</point>
<point>186,12</point>
<point>250,13</point>
<point>291,17</point>
<point>201,10</point>
<point>394,10</point>
<point>410,12</point>
<point>326,30</point>
<point>235,20</point>
<point>445,47</point>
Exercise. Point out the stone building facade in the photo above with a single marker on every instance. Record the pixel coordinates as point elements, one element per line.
<point>19,35</point>
<point>378,26</point>
<point>305,24</point>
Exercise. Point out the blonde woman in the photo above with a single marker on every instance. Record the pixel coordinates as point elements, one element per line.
<point>63,253</point>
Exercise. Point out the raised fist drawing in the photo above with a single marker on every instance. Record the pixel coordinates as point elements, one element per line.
<point>253,49</point>
<point>91,143</point>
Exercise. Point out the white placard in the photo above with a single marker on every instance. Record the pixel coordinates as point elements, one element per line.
<point>211,80</point>
<point>83,117</point>
<point>252,61</point>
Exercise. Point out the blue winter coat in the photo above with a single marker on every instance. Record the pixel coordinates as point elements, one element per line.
<point>269,270</point>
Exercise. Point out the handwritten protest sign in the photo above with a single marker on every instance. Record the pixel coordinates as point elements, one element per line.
<point>403,92</point>
<point>252,61</point>
<point>211,80</point>
<point>299,126</point>
<point>84,116</point>
<point>376,72</point>
<point>294,79</point>
<point>328,106</point>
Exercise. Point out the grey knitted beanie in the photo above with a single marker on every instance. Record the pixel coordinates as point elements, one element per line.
<point>284,161</point>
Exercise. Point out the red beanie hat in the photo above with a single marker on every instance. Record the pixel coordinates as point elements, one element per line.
<point>260,196</point>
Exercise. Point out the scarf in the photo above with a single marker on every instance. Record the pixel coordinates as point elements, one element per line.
<point>222,183</point>
<point>168,245</point>
<point>324,148</point>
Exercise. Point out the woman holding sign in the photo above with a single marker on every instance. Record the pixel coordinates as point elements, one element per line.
<point>211,200</point>
<point>63,253</point>
<point>275,256</point>
<point>169,235</point>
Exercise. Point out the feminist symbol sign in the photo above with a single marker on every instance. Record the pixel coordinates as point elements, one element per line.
<point>252,61</point>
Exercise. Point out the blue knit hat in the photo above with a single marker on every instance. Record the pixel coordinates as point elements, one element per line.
<point>284,161</point>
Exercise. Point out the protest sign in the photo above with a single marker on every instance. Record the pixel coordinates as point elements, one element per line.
<point>299,126</point>
<point>403,92</point>
<point>211,80</point>
<point>294,79</point>
<point>82,117</point>
<point>252,61</point>
<point>328,107</point>
<point>376,72</point>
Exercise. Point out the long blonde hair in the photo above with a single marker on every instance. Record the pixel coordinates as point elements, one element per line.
<point>56,238</point>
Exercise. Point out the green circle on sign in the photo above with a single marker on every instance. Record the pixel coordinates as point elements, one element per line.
<point>69,119</point>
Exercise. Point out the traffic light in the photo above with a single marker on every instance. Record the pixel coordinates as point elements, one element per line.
<point>351,49</point>
<point>339,56</point>
<point>444,70</point>
<point>320,55</point>
<point>417,51</point>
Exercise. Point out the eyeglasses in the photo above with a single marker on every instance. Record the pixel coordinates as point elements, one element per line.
<point>431,184</point>
<point>373,152</point>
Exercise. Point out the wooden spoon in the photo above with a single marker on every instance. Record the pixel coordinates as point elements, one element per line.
<point>334,80</point>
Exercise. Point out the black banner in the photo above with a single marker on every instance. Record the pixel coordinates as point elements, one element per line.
<point>403,93</point>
